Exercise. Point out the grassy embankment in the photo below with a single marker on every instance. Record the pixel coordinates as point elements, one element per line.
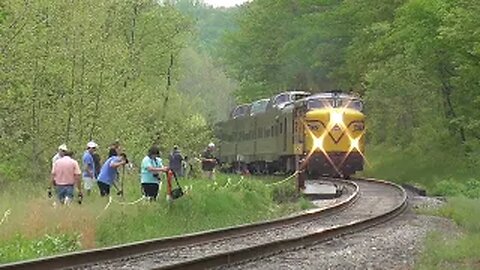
<point>442,174</point>
<point>36,229</point>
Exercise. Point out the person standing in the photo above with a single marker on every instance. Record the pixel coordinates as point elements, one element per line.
<point>65,174</point>
<point>60,153</point>
<point>97,161</point>
<point>150,170</point>
<point>108,173</point>
<point>209,162</point>
<point>176,161</point>
<point>89,167</point>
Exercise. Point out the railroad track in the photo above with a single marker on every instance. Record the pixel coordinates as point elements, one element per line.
<point>368,202</point>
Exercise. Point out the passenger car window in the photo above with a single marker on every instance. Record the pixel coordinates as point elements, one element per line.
<point>282,99</point>
<point>259,106</point>
<point>240,111</point>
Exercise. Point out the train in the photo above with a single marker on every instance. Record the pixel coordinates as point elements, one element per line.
<point>322,134</point>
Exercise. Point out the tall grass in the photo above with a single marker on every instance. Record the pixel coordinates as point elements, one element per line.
<point>446,252</point>
<point>445,172</point>
<point>37,228</point>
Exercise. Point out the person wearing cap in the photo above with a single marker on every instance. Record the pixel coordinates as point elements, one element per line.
<point>65,174</point>
<point>108,172</point>
<point>150,171</point>
<point>88,175</point>
<point>61,152</point>
<point>209,162</point>
<point>176,161</point>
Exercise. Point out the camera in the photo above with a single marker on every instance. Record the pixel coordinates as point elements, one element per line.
<point>124,156</point>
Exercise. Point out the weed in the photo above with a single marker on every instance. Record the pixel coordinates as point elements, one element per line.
<point>455,253</point>
<point>229,200</point>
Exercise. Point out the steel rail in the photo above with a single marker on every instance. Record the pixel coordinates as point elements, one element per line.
<point>77,259</point>
<point>273,247</point>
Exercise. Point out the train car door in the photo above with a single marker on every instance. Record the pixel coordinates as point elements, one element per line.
<point>298,134</point>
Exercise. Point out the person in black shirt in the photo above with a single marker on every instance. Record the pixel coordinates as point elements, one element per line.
<point>176,161</point>
<point>97,163</point>
<point>209,162</point>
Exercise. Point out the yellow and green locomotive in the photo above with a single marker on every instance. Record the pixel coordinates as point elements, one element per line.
<point>321,133</point>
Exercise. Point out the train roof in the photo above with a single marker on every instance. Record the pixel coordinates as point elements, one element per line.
<point>293,92</point>
<point>332,95</point>
<point>260,100</point>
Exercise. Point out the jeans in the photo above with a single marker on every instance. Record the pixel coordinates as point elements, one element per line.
<point>64,192</point>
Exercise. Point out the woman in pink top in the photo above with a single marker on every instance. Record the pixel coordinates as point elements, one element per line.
<point>65,174</point>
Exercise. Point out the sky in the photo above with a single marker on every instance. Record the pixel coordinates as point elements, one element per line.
<point>224,3</point>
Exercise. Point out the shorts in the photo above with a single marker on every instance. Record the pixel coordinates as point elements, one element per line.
<point>209,174</point>
<point>104,188</point>
<point>150,190</point>
<point>64,193</point>
<point>88,183</point>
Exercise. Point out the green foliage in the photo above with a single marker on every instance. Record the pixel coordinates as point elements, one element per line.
<point>21,248</point>
<point>227,201</point>
<point>206,85</point>
<point>81,70</point>
<point>452,188</point>
<point>448,188</point>
<point>285,192</point>
<point>460,252</point>
<point>415,63</point>
<point>210,23</point>
<point>465,212</point>
<point>451,254</point>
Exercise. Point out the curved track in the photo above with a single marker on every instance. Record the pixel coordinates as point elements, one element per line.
<point>368,202</point>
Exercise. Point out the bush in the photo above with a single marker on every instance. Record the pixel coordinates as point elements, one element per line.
<point>448,188</point>
<point>285,192</point>
<point>453,188</point>
<point>472,189</point>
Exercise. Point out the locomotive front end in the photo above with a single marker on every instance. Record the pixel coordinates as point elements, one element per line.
<point>334,135</point>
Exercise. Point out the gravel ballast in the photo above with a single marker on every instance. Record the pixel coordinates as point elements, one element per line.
<point>394,245</point>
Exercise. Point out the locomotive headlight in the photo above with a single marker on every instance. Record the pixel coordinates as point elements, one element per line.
<point>355,144</point>
<point>318,143</point>
<point>336,118</point>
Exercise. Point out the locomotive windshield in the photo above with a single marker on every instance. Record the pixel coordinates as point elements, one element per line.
<point>351,103</point>
<point>320,103</point>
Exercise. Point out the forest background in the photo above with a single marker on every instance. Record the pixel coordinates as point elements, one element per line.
<point>72,71</point>
<point>134,70</point>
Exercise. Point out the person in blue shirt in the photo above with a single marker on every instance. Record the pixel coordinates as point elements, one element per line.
<point>88,167</point>
<point>108,173</point>
<point>150,171</point>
